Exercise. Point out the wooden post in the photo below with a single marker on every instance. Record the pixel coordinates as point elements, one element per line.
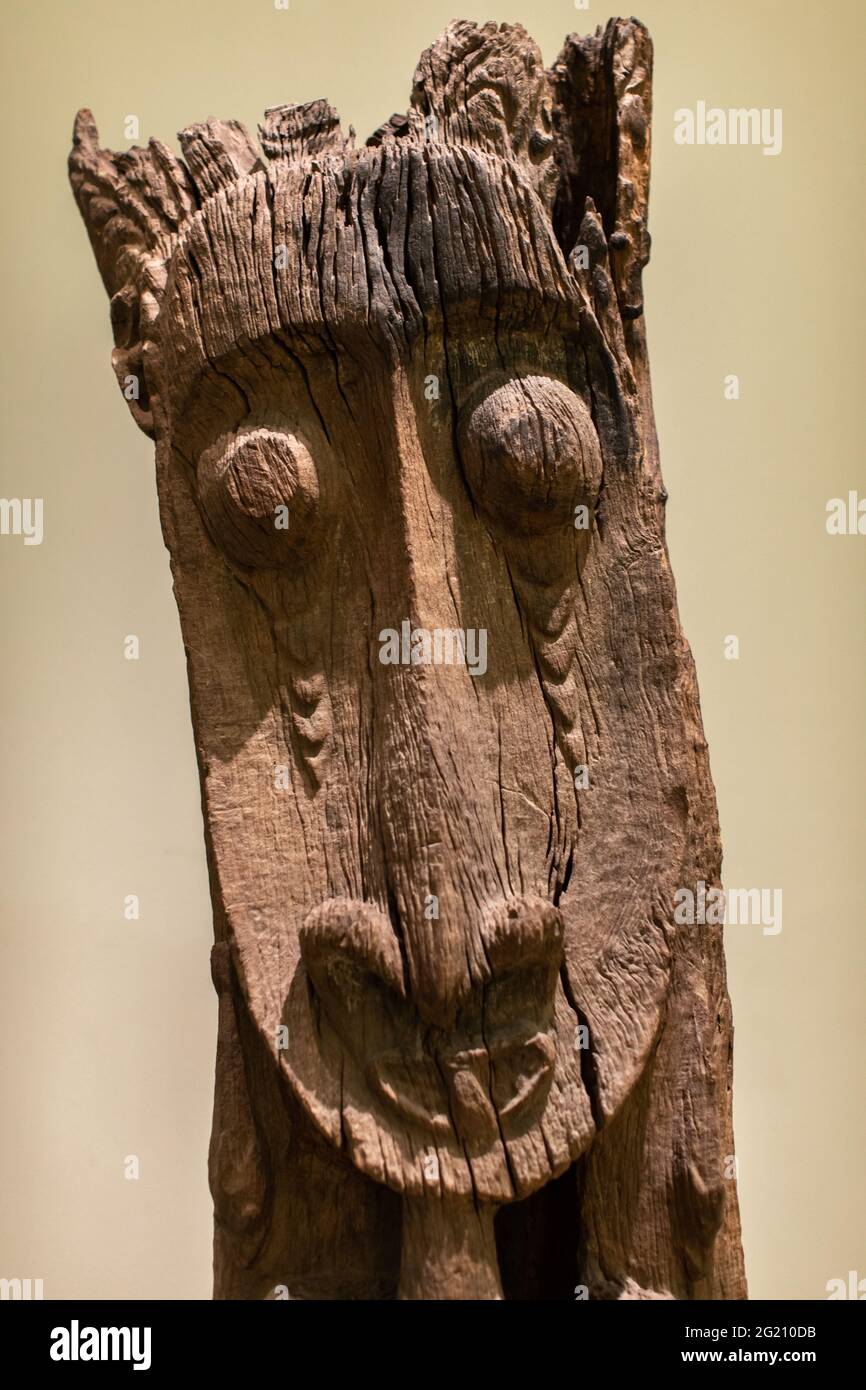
<point>452,762</point>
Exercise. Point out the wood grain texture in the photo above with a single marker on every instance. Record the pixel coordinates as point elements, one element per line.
<point>403,388</point>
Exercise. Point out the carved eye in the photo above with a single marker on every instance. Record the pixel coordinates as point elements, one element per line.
<point>531,454</point>
<point>259,493</point>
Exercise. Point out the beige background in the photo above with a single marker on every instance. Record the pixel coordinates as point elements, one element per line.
<point>108,1026</point>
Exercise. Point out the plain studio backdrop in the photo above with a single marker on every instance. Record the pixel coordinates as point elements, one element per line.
<point>109,1025</point>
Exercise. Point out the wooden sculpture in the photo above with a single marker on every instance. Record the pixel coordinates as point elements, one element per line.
<point>452,763</point>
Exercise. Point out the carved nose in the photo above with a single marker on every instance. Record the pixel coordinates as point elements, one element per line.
<point>343,943</point>
<point>460,776</point>
<point>346,944</point>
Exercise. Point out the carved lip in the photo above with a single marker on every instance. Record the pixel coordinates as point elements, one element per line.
<point>472,1089</point>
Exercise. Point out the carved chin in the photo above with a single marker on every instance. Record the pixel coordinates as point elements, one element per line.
<point>494,1117</point>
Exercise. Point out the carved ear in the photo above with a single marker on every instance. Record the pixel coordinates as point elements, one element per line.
<point>133,204</point>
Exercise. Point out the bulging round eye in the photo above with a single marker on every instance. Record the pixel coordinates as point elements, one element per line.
<point>531,454</point>
<point>259,493</point>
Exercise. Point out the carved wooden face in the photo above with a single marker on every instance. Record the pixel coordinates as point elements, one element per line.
<point>415,534</point>
<point>395,525</point>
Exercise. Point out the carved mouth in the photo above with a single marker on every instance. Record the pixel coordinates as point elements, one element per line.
<point>402,1081</point>
<point>490,1108</point>
<point>472,1090</point>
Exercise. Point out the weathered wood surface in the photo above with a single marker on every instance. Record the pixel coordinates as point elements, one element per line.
<point>382,381</point>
